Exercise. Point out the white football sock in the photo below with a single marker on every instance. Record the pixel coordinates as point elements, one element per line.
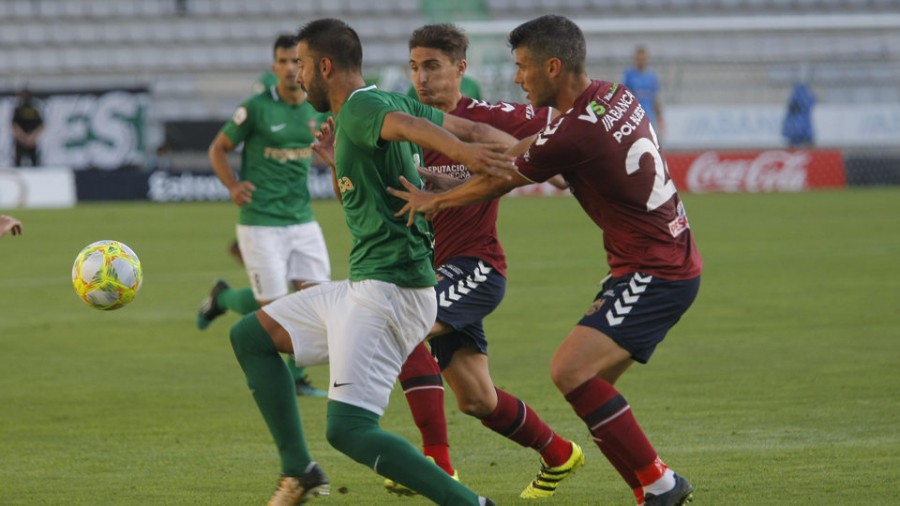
<point>662,485</point>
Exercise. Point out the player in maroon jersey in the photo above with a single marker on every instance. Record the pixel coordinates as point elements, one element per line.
<point>471,269</point>
<point>607,151</point>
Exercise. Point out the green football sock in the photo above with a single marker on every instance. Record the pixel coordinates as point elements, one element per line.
<point>355,432</point>
<point>273,390</point>
<point>296,372</point>
<point>239,300</point>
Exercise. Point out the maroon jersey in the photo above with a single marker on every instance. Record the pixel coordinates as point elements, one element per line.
<point>607,151</point>
<point>472,230</point>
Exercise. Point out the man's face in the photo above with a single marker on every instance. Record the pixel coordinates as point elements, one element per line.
<point>285,66</point>
<point>435,77</point>
<point>311,80</point>
<point>532,77</point>
<point>640,59</point>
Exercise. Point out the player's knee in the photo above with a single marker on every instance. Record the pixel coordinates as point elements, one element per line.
<point>477,406</point>
<point>343,436</point>
<point>337,437</point>
<point>238,336</point>
<point>560,375</point>
<point>248,336</point>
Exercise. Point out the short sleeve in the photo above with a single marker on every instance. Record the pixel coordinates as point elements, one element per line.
<point>240,125</point>
<point>361,118</point>
<point>366,111</point>
<point>418,109</point>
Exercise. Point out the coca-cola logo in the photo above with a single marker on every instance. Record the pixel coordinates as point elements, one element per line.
<point>767,171</point>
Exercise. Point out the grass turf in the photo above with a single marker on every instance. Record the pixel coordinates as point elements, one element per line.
<point>778,387</point>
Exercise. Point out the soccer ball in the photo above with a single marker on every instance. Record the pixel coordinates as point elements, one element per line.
<point>107,275</point>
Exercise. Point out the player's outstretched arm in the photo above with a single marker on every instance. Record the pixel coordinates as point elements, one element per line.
<point>218,157</point>
<point>486,159</point>
<point>473,131</point>
<point>9,224</point>
<point>475,189</point>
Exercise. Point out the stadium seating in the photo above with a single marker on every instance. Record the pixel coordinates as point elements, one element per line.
<point>200,62</point>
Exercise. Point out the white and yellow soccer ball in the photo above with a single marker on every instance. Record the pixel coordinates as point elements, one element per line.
<point>107,275</point>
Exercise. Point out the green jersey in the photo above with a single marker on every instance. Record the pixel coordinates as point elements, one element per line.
<point>265,81</point>
<point>383,247</point>
<point>276,158</point>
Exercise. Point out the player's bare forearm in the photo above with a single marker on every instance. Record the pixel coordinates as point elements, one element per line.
<point>476,189</point>
<point>521,146</point>
<point>218,157</point>
<point>559,182</point>
<point>488,159</point>
<point>398,126</point>
<point>471,131</point>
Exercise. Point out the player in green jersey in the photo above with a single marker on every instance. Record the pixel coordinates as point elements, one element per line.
<point>366,326</point>
<point>281,244</point>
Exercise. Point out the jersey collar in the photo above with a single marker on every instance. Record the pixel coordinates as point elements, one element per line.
<point>365,88</point>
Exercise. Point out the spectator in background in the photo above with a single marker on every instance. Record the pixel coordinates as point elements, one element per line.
<point>644,83</point>
<point>27,125</point>
<point>797,127</point>
<point>161,161</point>
<point>10,224</point>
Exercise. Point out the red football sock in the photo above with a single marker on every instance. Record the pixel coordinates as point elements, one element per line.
<point>423,386</point>
<point>639,495</point>
<point>515,420</point>
<point>649,474</point>
<point>441,455</point>
<point>609,418</point>
<point>627,474</point>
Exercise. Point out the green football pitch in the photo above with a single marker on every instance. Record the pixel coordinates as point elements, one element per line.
<point>779,386</point>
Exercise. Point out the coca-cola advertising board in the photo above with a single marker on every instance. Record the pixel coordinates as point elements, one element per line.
<point>774,170</point>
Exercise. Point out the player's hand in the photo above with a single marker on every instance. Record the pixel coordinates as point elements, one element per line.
<point>488,160</point>
<point>10,224</point>
<point>241,192</point>
<point>416,201</point>
<point>324,146</point>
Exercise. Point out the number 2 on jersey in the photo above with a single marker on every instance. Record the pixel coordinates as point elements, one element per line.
<point>663,186</point>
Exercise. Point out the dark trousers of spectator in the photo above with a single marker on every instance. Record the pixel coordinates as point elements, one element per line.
<point>30,153</point>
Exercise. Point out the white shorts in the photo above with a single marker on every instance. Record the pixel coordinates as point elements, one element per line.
<point>364,330</point>
<point>275,256</point>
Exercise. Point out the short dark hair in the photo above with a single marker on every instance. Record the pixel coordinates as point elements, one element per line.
<point>444,37</point>
<point>284,41</point>
<point>335,40</point>
<point>552,36</point>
